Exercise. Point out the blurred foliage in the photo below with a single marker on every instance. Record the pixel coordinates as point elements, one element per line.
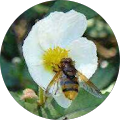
<point>9,47</point>
<point>100,29</point>
<point>6,69</point>
<point>17,77</point>
<point>64,6</point>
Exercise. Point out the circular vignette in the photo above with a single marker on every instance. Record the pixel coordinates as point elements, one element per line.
<point>15,61</point>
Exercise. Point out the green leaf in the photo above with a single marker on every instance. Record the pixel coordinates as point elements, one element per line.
<point>85,101</point>
<point>103,77</point>
<point>64,6</point>
<point>83,104</point>
<point>76,114</point>
<point>32,107</point>
<point>17,98</point>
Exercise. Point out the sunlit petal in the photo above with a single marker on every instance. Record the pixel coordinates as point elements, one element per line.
<point>32,53</point>
<point>58,29</point>
<point>57,93</point>
<point>40,75</point>
<point>31,49</point>
<point>62,100</point>
<point>83,52</point>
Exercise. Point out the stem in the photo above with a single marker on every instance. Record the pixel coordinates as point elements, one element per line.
<point>41,96</point>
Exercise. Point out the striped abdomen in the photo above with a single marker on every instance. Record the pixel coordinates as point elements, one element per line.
<point>69,87</point>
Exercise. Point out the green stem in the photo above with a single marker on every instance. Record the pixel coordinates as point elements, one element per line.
<point>41,96</point>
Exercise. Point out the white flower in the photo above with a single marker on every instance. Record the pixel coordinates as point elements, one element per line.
<point>59,34</point>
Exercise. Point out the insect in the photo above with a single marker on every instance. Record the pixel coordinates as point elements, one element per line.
<point>69,80</point>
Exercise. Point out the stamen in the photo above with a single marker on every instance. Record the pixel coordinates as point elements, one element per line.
<point>52,58</point>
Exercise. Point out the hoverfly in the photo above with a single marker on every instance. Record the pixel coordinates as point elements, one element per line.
<point>70,79</point>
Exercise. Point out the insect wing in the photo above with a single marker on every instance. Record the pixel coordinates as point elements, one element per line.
<point>53,86</point>
<point>88,85</point>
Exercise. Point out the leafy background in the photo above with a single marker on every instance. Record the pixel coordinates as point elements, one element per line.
<point>17,77</point>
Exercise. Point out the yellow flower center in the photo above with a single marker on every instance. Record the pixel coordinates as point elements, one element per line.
<point>52,58</point>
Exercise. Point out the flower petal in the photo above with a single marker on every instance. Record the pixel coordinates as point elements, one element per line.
<point>56,91</point>
<point>62,100</point>
<point>31,49</point>
<point>74,26</point>
<point>58,29</point>
<point>83,52</point>
<point>32,53</point>
<point>40,75</point>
